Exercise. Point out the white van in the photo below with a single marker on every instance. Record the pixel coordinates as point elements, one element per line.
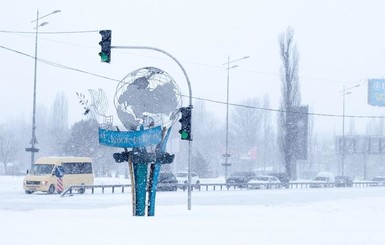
<point>55,174</point>
<point>323,179</point>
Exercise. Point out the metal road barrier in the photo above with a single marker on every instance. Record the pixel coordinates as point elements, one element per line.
<point>79,189</point>
<point>73,188</point>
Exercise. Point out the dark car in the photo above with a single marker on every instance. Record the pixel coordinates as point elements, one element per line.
<point>378,181</point>
<point>282,177</point>
<point>167,182</point>
<point>240,178</point>
<point>343,181</point>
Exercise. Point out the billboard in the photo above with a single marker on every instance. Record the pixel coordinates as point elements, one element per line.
<point>376,92</point>
<point>360,144</point>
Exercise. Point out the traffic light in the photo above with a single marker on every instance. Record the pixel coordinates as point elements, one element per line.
<point>121,157</point>
<point>185,120</point>
<point>165,158</point>
<point>105,44</point>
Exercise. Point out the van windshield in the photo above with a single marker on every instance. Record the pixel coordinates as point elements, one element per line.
<point>181,175</point>
<point>320,178</point>
<point>262,178</point>
<point>41,169</point>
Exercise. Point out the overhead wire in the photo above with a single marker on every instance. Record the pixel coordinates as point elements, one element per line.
<point>197,98</point>
<point>284,111</point>
<point>187,62</point>
<point>50,32</point>
<point>60,65</point>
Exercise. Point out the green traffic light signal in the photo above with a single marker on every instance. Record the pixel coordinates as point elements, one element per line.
<point>184,135</point>
<point>105,44</point>
<point>185,120</point>
<point>104,57</point>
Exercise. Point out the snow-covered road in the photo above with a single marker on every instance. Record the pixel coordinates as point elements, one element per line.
<point>335,216</point>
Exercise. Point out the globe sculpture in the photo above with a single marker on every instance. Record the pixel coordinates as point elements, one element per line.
<point>147,97</point>
<point>147,103</point>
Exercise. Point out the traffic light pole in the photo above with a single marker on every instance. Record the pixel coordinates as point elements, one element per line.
<point>190,105</point>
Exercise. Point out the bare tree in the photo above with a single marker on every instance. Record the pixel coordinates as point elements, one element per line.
<point>8,147</point>
<point>58,130</point>
<point>246,125</point>
<point>207,137</point>
<point>375,127</point>
<point>269,152</point>
<point>290,99</point>
<point>59,113</point>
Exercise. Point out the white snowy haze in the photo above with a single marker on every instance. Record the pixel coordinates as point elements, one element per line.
<point>339,43</point>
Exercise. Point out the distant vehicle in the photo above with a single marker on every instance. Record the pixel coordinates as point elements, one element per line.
<point>240,178</point>
<point>264,182</point>
<point>44,174</point>
<point>282,177</point>
<point>379,181</point>
<point>182,178</point>
<point>167,182</point>
<point>343,181</point>
<point>323,179</point>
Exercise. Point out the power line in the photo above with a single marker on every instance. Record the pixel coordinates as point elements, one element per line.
<point>51,32</point>
<point>60,65</point>
<point>187,62</point>
<point>284,111</point>
<point>197,98</point>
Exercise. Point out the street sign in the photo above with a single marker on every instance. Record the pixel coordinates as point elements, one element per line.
<point>130,139</point>
<point>31,149</point>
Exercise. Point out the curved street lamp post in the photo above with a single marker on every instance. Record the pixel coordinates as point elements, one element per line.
<point>226,164</point>
<point>344,93</point>
<point>33,141</point>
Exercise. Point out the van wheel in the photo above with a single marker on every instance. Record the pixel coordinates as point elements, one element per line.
<point>51,189</point>
<point>82,189</point>
<point>28,192</point>
<point>198,185</point>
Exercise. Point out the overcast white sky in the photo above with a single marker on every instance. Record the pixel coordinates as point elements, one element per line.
<point>339,42</point>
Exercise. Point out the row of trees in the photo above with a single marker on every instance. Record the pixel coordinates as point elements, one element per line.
<point>249,128</point>
<point>259,139</point>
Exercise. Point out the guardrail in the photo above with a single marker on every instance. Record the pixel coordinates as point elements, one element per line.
<point>298,185</point>
<point>81,188</point>
<point>213,186</point>
<point>290,185</point>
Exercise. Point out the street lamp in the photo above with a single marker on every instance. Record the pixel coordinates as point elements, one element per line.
<point>344,93</point>
<point>227,155</point>
<point>33,141</point>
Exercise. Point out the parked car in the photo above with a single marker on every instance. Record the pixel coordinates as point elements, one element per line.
<point>343,181</point>
<point>167,182</point>
<point>282,177</point>
<point>379,181</point>
<point>264,182</point>
<point>323,179</point>
<point>182,178</point>
<point>240,178</point>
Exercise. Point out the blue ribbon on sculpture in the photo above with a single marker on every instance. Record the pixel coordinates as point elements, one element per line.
<point>130,139</point>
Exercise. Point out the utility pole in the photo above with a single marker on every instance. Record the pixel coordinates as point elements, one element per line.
<point>226,164</point>
<point>34,141</point>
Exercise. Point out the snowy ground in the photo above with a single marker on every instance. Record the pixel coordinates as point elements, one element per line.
<point>298,216</point>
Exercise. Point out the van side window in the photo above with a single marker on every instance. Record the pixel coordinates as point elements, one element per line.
<point>77,167</point>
